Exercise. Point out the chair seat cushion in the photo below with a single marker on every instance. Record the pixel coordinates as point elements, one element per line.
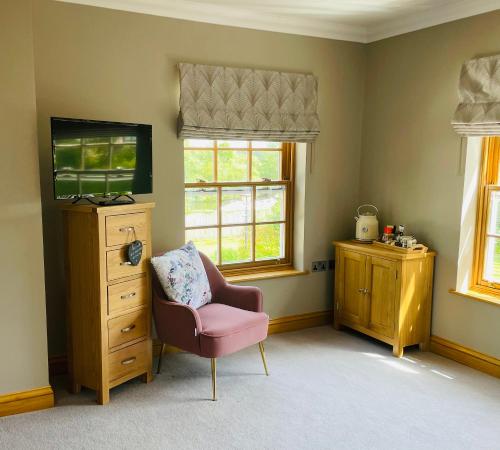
<point>226,329</point>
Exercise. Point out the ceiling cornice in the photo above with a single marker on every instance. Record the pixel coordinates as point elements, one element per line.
<point>425,19</point>
<point>301,26</point>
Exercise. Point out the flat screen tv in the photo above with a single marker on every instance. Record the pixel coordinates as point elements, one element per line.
<point>100,159</point>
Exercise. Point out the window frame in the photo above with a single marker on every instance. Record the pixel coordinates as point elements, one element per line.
<point>488,182</point>
<point>287,179</point>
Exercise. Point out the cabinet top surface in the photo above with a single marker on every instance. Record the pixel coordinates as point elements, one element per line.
<point>97,209</point>
<point>387,253</point>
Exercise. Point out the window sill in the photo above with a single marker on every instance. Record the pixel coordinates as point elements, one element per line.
<point>264,275</point>
<point>492,299</point>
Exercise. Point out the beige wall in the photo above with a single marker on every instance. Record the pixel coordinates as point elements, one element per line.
<point>410,165</point>
<point>23,339</point>
<point>111,65</point>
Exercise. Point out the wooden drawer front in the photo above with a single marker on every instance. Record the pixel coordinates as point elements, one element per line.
<point>125,228</point>
<point>128,327</point>
<point>117,267</point>
<point>127,295</point>
<point>132,359</point>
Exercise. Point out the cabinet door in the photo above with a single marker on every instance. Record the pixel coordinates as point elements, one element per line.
<point>350,290</point>
<point>381,281</point>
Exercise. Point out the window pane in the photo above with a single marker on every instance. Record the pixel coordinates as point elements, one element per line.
<point>266,165</point>
<point>494,213</point>
<point>492,260</point>
<point>122,183</point>
<point>205,241</point>
<point>198,143</point>
<point>198,166</point>
<point>262,144</point>
<point>123,156</point>
<point>124,140</point>
<point>233,165</point>
<point>236,205</point>
<point>269,241</point>
<point>93,183</point>
<point>97,140</point>
<point>232,144</point>
<point>201,207</point>
<point>96,157</point>
<point>68,157</point>
<point>236,244</point>
<point>270,203</point>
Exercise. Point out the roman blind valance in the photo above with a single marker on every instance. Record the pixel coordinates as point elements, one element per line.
<point>478,113</point>
<point>230,103</point>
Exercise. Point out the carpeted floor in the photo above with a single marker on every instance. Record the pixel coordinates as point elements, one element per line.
<point>327,390</point>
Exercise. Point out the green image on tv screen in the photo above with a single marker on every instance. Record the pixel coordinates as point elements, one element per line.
<point>100,158</point>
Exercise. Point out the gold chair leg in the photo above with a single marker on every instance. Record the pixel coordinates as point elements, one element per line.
<point>159,359</point>
<point>263,354</point>
<point>213,362</point>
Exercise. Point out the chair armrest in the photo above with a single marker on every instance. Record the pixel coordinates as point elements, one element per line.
<point>242,297</point>
<point>177,324</point>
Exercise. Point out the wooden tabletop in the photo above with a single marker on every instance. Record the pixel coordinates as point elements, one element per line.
<point>378,251</point>
<point>89,208</point>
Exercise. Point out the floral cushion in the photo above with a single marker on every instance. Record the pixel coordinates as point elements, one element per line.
<point>183,277</point>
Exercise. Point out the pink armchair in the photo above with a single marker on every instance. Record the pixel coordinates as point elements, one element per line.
<point>233,321</point>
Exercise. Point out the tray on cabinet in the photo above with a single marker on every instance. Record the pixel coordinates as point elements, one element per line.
<point>419,248</point>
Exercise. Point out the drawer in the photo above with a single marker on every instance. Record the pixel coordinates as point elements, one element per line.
<point>117,266</point>
<point>130,360</point>
<point>125,228</point>
<point>128,327</point>
<point>127,295</point>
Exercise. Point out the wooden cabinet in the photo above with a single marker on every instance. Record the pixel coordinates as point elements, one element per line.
<point>384,294</point>
<point>108,300</point>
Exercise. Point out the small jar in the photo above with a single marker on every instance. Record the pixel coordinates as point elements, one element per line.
<point>387,235</point>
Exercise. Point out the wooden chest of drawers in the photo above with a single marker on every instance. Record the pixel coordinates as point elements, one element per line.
<point>108,300</point>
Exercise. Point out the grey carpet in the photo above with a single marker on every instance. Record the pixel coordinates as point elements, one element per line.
<point>327,390</point>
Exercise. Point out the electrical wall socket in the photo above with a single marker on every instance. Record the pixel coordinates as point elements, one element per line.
<point>319,266</point>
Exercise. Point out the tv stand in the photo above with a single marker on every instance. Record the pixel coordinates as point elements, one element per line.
<point>89,199</point>
<point>115,201</point>
<point>111,202</point>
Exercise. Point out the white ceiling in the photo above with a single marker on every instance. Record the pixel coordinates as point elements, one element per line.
<point>351,20</point>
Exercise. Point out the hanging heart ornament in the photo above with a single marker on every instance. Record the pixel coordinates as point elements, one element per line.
<point>134,252</point>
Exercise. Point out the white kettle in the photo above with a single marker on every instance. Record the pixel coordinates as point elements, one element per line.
<point>367,223</point>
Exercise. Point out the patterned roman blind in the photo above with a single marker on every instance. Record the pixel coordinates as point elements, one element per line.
<point>229,103</point>
<point>478,113</point>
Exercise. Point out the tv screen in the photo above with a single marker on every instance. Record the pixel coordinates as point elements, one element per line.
<point>92,158</point>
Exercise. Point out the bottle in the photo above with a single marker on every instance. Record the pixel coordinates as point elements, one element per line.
<point>387,235</point>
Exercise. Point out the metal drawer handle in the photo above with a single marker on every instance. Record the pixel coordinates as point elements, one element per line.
<point>125,263</point>
<point>126,229</point>
<point>129,361</point>
<point>360,290</point>
<point>127,329</point>
<point>132,294</point>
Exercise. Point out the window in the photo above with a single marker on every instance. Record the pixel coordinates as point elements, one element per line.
<point>486,270</point>
<point>238,202</point>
